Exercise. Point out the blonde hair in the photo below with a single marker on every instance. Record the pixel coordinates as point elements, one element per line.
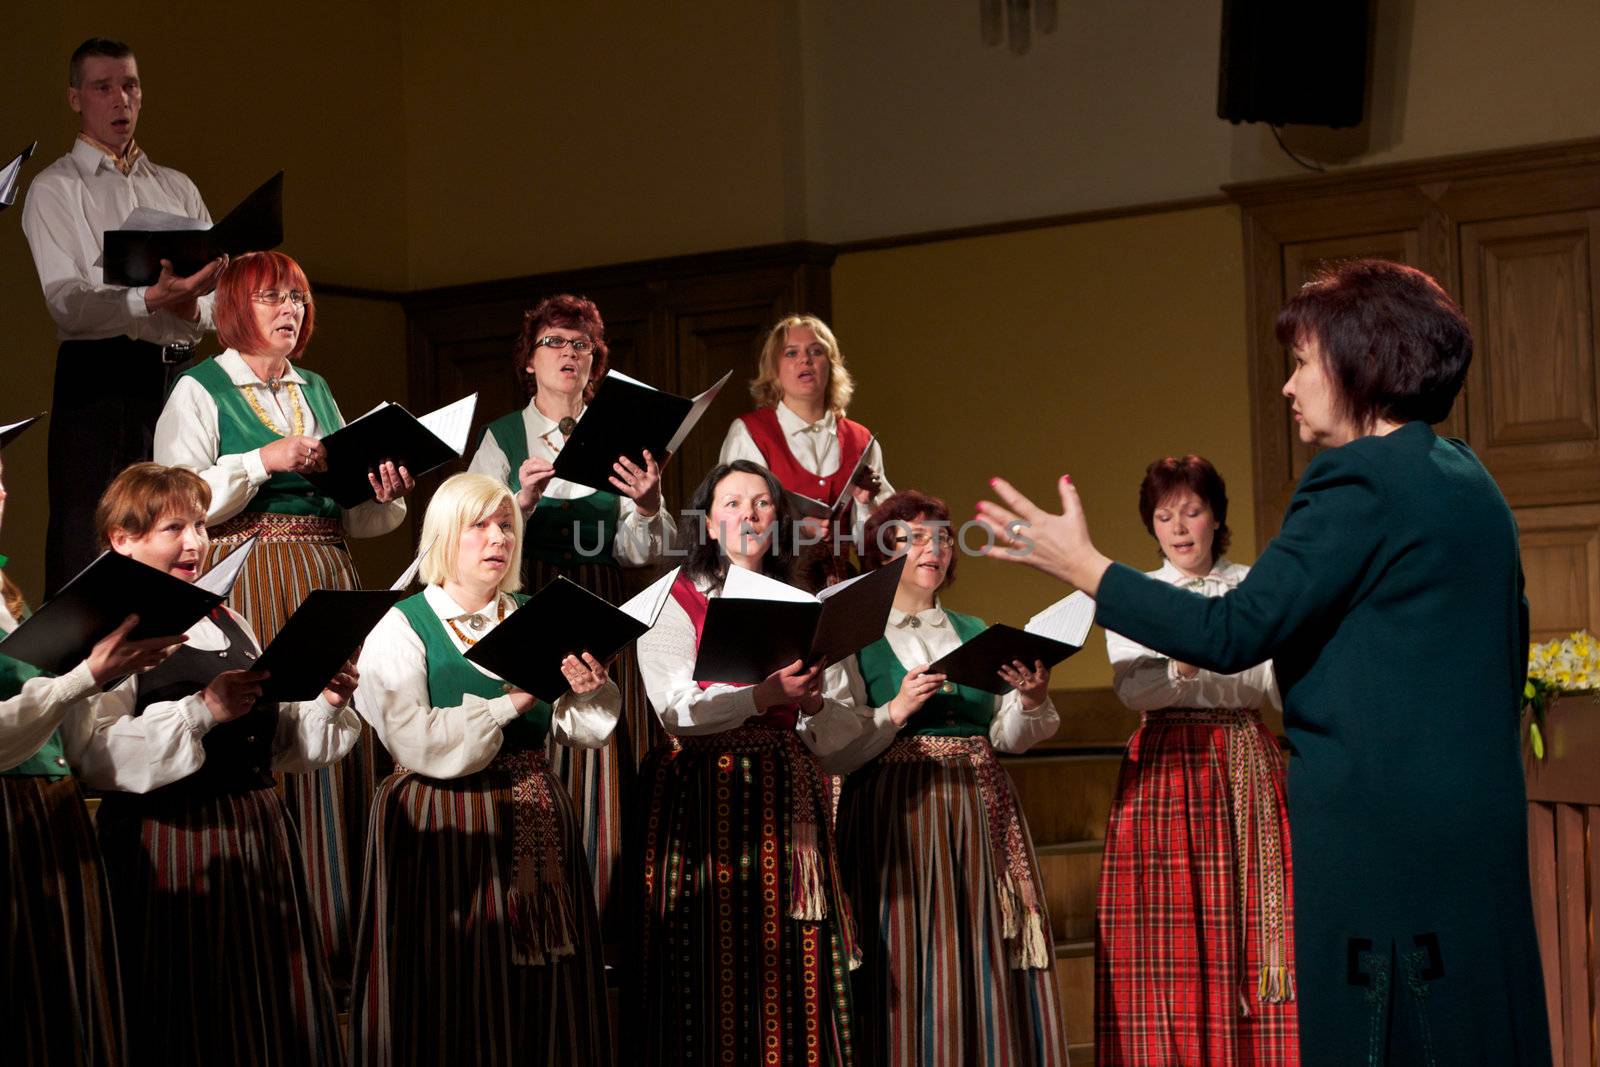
<point>765,388</point>
<point>462,500</point>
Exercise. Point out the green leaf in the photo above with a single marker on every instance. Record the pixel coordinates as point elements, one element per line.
<point>1538,740</point>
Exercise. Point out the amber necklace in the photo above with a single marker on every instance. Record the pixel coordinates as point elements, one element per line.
<point>476,623</point>
<point>297,417</point>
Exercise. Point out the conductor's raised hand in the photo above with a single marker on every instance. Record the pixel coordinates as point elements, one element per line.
<point>181,295</point>
<point>1058,545</point>
<point>232,693</point>
<point>343,686</point>
<point>115,656</point>
<point>299,454</point>
<point>916,688</point>
<point>390,482</point>
<point>798,683</point>
<point>584,675</point>
<point>640,484</point>
<point>534,474</point>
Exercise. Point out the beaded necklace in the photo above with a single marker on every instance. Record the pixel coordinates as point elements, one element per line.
<point>297,418</point>
<point>500,615</point>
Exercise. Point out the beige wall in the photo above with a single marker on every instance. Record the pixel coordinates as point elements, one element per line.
<point>1087,350</point>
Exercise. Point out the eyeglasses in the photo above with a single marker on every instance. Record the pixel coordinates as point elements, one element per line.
<point>558,343</point>
<point>275,297</point>
<point>924,538</point>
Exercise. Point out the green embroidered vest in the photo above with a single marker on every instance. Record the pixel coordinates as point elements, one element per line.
<point>451,676</point>
<point>51,760</point>
<point>563,533</point>
<point>967,712</point>
<point>240,430</point>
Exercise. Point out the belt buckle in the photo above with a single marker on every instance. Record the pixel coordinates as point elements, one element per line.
<point>172,355</point>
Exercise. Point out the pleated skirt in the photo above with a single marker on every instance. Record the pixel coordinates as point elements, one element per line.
<point>1184,934</point>
<point>436,980</point>
<point>61,995</point>
<point>936,986</point>
<point>220,960</point>
<point>604,783</point>
<point>329,806</point>
<point>728,975</point>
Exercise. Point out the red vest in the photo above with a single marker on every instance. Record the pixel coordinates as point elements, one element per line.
<point>770,438</point>
<point>694,604</point>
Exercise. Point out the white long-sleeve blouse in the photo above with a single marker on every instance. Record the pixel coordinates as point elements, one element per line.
<point>1145,680</point>
<point>666,662</point>
<point>919,639</point>
<point>187,436</point>
<point>457,741</point>
<point>111,748</point>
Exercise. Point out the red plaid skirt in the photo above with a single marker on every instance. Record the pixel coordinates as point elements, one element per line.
<point>1194,940</point>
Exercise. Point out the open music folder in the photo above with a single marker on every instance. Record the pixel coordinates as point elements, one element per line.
<point>60,635</point>
<point>565,619</point>
<point>11,431</point>
<point>1049,637</point>
<point>134,251</point>
<point>759,625</point>
<point>390,432</point>
<point>625,418</point>
<point>809,507</point>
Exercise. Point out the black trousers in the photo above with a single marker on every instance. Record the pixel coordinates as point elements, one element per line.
<point>108,395</point>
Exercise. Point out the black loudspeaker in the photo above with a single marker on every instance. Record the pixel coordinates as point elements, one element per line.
<point>1293,62</point>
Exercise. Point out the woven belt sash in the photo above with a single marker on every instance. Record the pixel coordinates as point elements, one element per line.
<point>809,841</point>
<point>1021,901</point>
<point>270,526</point>
<point>539,904</point>
<point>1252,794</point>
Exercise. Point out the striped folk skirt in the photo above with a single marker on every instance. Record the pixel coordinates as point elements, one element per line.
<point>604,782</point>
<point>61,997</point>
<point>456,963</point>
<point>939,866</point>
<point>294,556</point>
<point>1194,941</point>
<point>746,942</point>
<point>220,961</point>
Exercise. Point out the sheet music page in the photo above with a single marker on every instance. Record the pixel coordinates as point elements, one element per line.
<point>701,403</point>
<point>839,587</point>
<point>11,173</point>
<point>453,422</point>
<point>647,603</point>
<point>752,585</point>
<point>408,575</point>
<point>148,218</point>
<point>614,373</point>
<point>1066,620</point>
<point>220,579</point>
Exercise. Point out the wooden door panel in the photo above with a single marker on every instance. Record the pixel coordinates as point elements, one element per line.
<point>1561,565</point>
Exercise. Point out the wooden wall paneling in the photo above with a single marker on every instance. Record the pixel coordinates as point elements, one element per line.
<point>1561,565</point>
<point>1529,288</point>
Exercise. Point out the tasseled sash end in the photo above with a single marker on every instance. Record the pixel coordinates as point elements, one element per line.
<point>539,904</point>
<point>807,900</point>
<point>1276,985</point>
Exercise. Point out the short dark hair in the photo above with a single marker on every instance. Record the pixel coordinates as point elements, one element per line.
<point>1172,474</point>
<point>109,47</point>
<point>1393,342</point>
<point>706,561</point>
<point>567,312</point>
<point>905,507</point>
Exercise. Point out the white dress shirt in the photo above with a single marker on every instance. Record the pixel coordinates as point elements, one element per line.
<point>917,640</point>
<point>814,444</point>
<point>69,206</point>
<point>1145,680</point>
<point>187,436</point>
<point>639,540</point>
<point>114,749</point>
<point>457,741</point>
<point>29,717</point>
<point>666,663</point>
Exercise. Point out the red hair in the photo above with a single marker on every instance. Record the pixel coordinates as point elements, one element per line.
<point>566,312</point>
<point>137,498</point>
<point>905,507</point>
<point>1165,478</point>
<point>234,311</point>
